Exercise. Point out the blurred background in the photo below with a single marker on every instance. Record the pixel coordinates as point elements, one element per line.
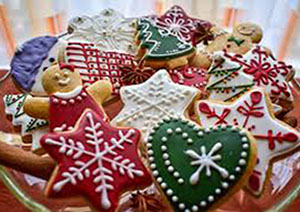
<point>23,19</point>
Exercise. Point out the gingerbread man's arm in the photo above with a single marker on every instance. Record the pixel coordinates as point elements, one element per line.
<point>100,91</point>
<point>37,107</point>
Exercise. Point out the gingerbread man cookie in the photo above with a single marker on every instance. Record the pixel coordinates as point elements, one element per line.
<point>95,160</point>
<point>147,103</point>
<point>159,48</point>
<point>253,112</point>
<point>67,98</point>
<point>199,168</point>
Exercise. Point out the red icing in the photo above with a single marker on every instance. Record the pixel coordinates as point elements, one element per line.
<point>180,24</point>
<point>254,181</point>
<point>256,97</point>
<point>95,65</point>
<point>204,108</point>
<point>66,66</point>
<point>69,113</point>
<point>94,144</point>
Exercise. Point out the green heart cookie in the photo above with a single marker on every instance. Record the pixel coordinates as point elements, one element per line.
<point>196,167</point>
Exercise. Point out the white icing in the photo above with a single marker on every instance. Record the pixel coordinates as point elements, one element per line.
<point>68,95</point>
<point>159,97</point>
<point>262,126</point>
<point>174,198</point>
<point>102,176</point>
<point>206,161</point>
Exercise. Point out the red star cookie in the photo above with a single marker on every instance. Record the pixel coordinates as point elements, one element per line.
<point>181,25</point>
<point>95,65</point>
<point>95,160</point>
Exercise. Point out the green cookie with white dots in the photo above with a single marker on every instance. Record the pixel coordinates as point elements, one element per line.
<point>196,167</point>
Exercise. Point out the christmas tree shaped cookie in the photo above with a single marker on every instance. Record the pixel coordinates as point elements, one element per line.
<point>227,81</point>
<point>95,160</point>
<point>159,48</point>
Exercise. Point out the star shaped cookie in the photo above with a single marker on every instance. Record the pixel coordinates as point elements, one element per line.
<point>95,160</point>
<point>252,112</point>
<point>148,103</point>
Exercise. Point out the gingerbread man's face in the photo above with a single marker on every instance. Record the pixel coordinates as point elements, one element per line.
<point>253,31</point>
<point>63,80</point>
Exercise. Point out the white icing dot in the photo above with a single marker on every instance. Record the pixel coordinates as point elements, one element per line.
<point>238,169</point>
<point>169,131</point>
<point>169,192</point>
<point>233,128</point>
<point>190,140</point>
<point>185,135</point>
<point>218,191</point>
<point>176,174</point>
<point>244,154</point>
<point>159,179</point>
<point>63,102</point>
<point>163,148</point>
<point>151,159</point>
<point>181,206</point>
<point>191,124</point>
<point>174,198</point>
<point>164,139</point>
<point>83,94</point>
<point>150,138</point>
<point>55,101</point>
<point>178,130</point>
<point>196,128</point>
<point>211,198</point>
<point>225,185</point>
<point>170,169</point>
<point>203,203</point>
<point>215,127</point>
<point>200,133</point>
<point>153,166</point>
<point>79,98</point>
<point>207,130</point>
<point>155,173</point>
<point>165,156</point>
<point>242,132</point>
<point>149,145</point>
<point>242,162</point>
<point>231,177</point>
<point>244,139</point>
<point>163,185</point>
<point>72,101</point>
<point>245,146</point>
<point>150,152</point>
<point>184,121</point>
<point>223,126</point>
<point>180,181</point>
<point>167,162</point>
<point>195,208</point>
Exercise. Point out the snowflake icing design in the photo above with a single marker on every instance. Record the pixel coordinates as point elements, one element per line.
<point>207,161</point>
<point>102,153</point>
<point>148,103</point>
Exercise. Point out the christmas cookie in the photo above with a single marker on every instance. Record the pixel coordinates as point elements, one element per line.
<point>95,160</point>
<point>13,104</point>
<point>67,98</point>
<point>189,29</point>
<point>136,74</point>
<point>31,59</point>
<point>159,48</point>
<point>147,103</point>
<point>253,111</point>
<point>94,65</point>
<point>266,72</point>
<point>249,30</point>
<point>199,168</point>
<point>109,30</point>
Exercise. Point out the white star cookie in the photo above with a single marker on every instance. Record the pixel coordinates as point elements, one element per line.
<point>148,103</point>
<point>251,111</point>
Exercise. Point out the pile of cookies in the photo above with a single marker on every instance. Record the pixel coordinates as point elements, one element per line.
<point>197,109</point>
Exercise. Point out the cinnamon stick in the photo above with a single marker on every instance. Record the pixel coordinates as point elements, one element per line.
<point>26,162</point>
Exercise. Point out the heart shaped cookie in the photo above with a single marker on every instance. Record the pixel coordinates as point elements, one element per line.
<point>196,167</point>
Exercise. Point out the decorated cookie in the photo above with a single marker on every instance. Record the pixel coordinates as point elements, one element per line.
<point>67,98</point>
<point>135,74</point>
<point>147,103</point>
<point>198,168</point>
<point>190,76</point>
<point>249,30</point>
<point>181,25</point>
<point>265,71</point>
<point>95,160</point>
<point>253,112</point>
<point>13,104</point>
<point>94,65</point>
<point>159,48</point>
<point>227,81</point>
<point>109,30</point>
<point>31,59</point>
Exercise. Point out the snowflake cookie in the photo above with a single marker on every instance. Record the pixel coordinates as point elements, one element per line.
<point>252,112</point>
<point>147,103</point>
<point>159,48</point>
<point>199,167</point>
<point>181,25</point>
<point>95,160</point>
<point>109,30</point>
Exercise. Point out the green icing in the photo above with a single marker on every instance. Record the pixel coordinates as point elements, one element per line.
<point>161,44</point>
<point>188,194</point>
